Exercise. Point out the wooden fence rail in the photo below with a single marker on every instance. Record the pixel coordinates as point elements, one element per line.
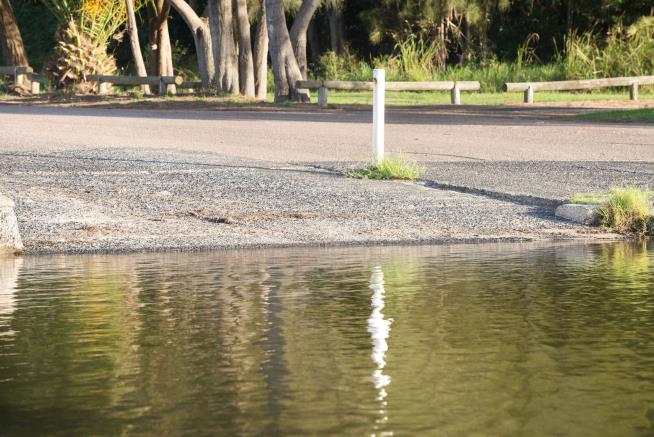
<point>454,87</point>
<point>575,85</point>
<point>160,81</point>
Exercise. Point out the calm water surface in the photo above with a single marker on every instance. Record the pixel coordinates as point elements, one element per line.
<point>449,341</point>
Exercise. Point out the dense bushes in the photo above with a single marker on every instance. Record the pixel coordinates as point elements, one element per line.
<point>626,51</point>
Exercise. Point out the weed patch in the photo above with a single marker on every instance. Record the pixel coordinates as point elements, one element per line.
<point>389,168</point>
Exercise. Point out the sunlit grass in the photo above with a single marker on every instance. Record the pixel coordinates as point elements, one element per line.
<point>597,198</point>
<point>389,168</point>
<point>642,115</point>
<point>628,210</point>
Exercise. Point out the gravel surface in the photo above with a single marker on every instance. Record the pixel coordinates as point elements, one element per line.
<point>115,200</point>
<point>540,183</point>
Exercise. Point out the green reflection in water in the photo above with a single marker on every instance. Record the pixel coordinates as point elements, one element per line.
<point>453,340</point>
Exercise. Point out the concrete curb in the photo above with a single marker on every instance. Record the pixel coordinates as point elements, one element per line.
<point>584,214</point>
<point>10,241</point>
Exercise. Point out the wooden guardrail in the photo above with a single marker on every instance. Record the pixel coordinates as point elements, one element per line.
<point>24,76</point>
<point>160,81</point>
<point>454,87</point>
<point>574,85</point>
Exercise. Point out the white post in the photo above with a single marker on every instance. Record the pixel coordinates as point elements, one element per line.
<point>379,87</point>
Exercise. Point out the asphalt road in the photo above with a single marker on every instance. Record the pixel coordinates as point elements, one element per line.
<point>436,134</point>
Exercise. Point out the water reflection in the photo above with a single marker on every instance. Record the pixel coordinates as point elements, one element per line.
<point>499,340</point>
<point>379,329</point>
<point>9,270</point>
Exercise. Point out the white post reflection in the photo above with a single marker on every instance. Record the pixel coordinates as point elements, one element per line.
<point>379,329</point>
<point>9,269</point>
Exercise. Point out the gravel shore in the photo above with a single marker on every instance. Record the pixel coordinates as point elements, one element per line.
<point>124,200</point>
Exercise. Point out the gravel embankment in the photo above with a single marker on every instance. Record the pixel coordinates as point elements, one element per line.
<point>117,200</point>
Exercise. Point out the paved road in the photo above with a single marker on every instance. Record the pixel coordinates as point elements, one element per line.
<point>436,134</point>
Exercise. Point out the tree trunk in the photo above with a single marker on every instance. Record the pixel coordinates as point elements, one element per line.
<point>466,47</point>
<point>299,33</point>
<point>132,30</point>
<point>336,31</point>
<point>568,17</point>
<point>202,38</point>
<point>312,41</point>
<point>261,55</point>
<point>161,56</point>
<point>11,43</point>
<point>285,67</point>
<point>245,61</point>
<point>224,49</point>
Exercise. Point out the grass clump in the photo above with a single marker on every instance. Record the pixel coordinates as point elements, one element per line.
<point>390,168</point>
<point>628,210</point>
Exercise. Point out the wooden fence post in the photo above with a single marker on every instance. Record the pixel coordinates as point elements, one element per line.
<point>103,88</point>
<point>456,94</point>
<point>322,97</point>
<point>162,87</point>
<point>633,91</point>
<point>19,77</point>
<point>529,94</point>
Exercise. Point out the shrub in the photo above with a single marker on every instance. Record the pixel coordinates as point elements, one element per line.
<point>624,52</point>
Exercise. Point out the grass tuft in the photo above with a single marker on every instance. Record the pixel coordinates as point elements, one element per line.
<point>389,168</point>
<point>628,210</point>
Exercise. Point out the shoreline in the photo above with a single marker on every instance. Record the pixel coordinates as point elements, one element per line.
<point>600,238</point>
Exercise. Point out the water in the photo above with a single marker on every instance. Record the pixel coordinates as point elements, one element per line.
<point>519,340</point>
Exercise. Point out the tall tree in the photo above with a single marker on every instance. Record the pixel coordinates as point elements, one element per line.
<point>132,30</point>
<point>261,54</point>
<point>202,39</point>
<point>224,49</point>
<point>299,33</point>
<point>285,66</point>
<point>11,43</point>
<point>336,30</point>
<point>245,61</point>
<point>161,54</point>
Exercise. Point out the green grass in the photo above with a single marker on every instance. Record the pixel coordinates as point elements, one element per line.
<point>624,210</point>
<point>389,168</point>
<point>595,198</point>
<point>628,210</point>
<point>636,115</point>
<point>589,198</point>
